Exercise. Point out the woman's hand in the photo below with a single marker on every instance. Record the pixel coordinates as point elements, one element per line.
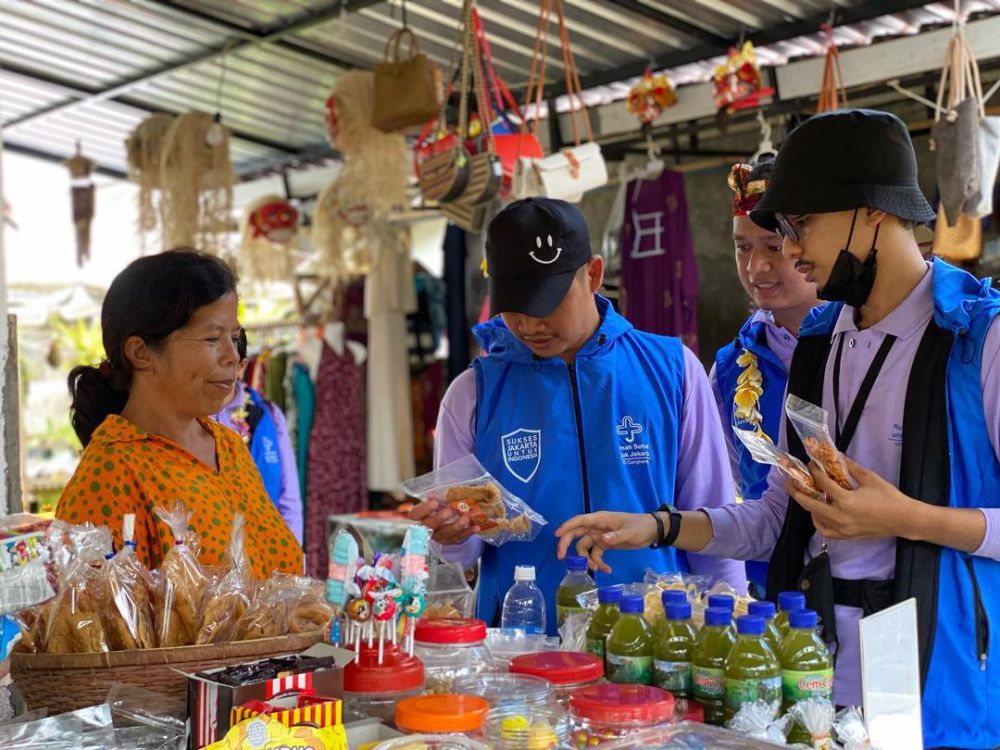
<point>447,526</point>
<point>606,530</point>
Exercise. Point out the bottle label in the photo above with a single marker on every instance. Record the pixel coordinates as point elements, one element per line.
<point>674,676</point>
<point>767,689</point>
<point>595,646</point>
<point>563,612</point>
<point>800,686</point>
<point>636,670</point>
<point>707,683</point>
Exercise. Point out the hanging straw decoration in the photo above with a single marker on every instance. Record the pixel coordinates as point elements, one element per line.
<point>269,237</point>
<point>197,183</point>
<point>143,148</point>
<point>832,94</point>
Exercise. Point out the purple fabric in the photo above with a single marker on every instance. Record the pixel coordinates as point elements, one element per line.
<point>659,273</point>
<point>702,479</point>
<point>750,530</point>
<point>289,502</point>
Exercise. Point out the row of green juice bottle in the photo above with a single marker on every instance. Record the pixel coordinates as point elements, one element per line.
<point>765,657</point>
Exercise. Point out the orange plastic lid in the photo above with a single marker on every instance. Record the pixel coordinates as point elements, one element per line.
<point>446,712</point>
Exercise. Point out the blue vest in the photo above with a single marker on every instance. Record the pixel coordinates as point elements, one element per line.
<point>961,699</point>
<point>602,434</point>
<point>264,447</point>
<point>753,476</point>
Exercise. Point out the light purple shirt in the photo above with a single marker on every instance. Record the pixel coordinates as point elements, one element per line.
<point>289,501</point>
<point>702,476</point>
<point>782,344</point>
<point>750,530</point>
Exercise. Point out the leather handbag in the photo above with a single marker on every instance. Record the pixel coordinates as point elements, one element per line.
<point>405,88</point>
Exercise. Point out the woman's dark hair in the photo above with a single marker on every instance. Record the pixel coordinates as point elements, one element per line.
<point>151,298</point>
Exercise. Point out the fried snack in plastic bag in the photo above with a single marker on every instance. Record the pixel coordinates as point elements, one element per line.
<point>124,589</point>
<point>270,611</point>
<point>227,599</point>
<point>816,716</point>
<point>182,583</point>
<point>741,602</point>
<point>471,491</point>
<point>811,423</point>
<point>312,611</point>
<point>656,583</point>
<point>763,451</point>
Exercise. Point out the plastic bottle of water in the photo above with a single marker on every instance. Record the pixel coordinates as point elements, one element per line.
<point>524,605</point>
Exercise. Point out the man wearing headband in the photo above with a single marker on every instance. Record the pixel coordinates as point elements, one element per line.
<point>906,361</point>
<point>750,373</point>
<point>573,410</point>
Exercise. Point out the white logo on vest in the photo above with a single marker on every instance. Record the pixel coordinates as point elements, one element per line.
<point>522,453</point>
<point>633,452</point>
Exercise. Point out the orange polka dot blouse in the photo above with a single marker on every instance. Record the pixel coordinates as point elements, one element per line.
<point>124,470</point>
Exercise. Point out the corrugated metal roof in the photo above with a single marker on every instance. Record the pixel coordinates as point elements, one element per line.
<point>89,70</point>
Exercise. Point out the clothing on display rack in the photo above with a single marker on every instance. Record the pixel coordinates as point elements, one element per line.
<point>659,274</point>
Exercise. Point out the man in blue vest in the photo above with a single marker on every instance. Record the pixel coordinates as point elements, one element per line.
<point>574,410</point>
<point>262,426</point>
<point>906,360</point>
<point>750,373</point>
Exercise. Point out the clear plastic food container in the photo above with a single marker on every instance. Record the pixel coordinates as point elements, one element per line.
<point>451,649</point>
<point>445,713</point>
<point>542,727</point>
<point>568,671</point>
<point>609,712</point>
<point>372,690</point>
<point>503,689</point>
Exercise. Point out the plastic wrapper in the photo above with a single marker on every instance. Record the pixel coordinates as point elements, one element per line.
<point>125,590</point>
<point>741,602</point>
<point>815,715</point>
<point>285,604</point>
<point>227,599</point>
<point>311,611</point>
<point>27,574</point>
<point>764,451</point>
<point>656,583</point>
<point>448,592</point>
<point>182,583</point>
<point>87,729</point>
<point>757,721</point>
<point>504,646</point>
<point>471,491</point>
<point>849,727</point>
<point>689,736</point>
<point>811,423</point>
<point>146,720</point>
<point>573,632</point>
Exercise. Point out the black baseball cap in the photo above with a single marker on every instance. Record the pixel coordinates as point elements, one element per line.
<point>534,247</point>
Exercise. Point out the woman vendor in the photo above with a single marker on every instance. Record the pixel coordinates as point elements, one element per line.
<point>170,332</point>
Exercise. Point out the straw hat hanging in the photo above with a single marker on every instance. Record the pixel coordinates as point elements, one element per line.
<point>142,149</point>
<point>269,237</point>
<point>197,183</point>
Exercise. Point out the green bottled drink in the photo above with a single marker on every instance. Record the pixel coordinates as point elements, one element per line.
<point>806,667</point>
<point>788,601</point>
<point>708,661</point>
<point>668,597</point>
<point>603,619</point>
<point>576,582</point>
<point>629,654</point>
<point>767,611</point>
<point>672,663</point>
<point>752,670</point>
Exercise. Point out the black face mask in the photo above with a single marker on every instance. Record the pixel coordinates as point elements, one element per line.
<point>851,280</point>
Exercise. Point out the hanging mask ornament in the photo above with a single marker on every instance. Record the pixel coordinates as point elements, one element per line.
<point>738,82</point>
<point>277,221</point>
<point>269,239</point>
<point>650,96</point>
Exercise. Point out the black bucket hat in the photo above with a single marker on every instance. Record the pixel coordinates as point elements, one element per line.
<point>841,160</point>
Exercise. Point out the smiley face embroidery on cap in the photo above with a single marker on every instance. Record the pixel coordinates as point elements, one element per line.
<point>538,242</point>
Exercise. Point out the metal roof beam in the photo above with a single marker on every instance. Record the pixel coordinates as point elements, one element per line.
<point>672,22</point>
<point>300,22</point>
<point>864,11</point>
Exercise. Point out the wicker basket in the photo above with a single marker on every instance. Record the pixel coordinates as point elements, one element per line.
<point>67,682</point>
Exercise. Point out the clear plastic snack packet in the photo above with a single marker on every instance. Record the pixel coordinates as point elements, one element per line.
<point>182,583</point>
<point>763,451</point>
<point>125,591</point>
<point>758,721</point>
<point>471,491</point>
<point>227,599</point>
<point>270,612</point>
<point>812,424</point>
<point>311,612</point>
<point>816,716</point>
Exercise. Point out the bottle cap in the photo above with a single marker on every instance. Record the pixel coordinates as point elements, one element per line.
<point>576,564</point>
<point>524,573</point>
<point>632,604</point>
<point>609,595</point>
<point>673,596</point>
<point>718,616</point>
<point>722,600</point>
<point>803,618</point>
<point>750,625</point>
<point>762,609</point>
<point>789,601</point>
<point>678,611</point>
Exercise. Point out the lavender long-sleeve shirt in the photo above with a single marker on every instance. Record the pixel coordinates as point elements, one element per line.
<point>289,501</point>
<point>750,530</point>
<point>703,476</point>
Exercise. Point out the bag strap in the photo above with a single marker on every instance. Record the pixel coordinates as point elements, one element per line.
<point>463,102</point>
<point>479,82</point>
<point>573,88</point>
<point>391,53</point>
<point>832,94</point>
<point>536,75</point>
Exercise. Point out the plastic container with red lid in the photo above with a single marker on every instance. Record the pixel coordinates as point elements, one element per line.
<point>568,671</point>
<point>451,649</point>
<point>371,690</point>
<point>444,713</point>
<point>602,713</point>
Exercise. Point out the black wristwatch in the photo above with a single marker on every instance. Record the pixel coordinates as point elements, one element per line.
<point>665,537</point>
